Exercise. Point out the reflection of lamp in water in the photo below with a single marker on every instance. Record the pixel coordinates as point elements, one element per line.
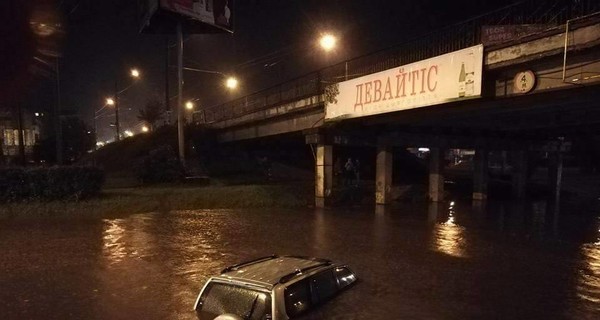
<point>449,239</point>
<point>448,236</point>
<point>588,282</point>
<point>114,248</point>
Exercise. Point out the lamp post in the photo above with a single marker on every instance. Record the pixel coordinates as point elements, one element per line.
<point>231,83</point>
<point>114,101</point>
<point>328,43</point>
<point>96,116</point>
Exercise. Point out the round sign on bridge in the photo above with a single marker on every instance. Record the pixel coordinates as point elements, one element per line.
<point>524,81</point>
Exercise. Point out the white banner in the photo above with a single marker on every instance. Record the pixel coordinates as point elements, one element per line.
<point>449,77</point>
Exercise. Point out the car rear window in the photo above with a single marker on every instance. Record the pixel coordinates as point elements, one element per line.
<point>324,285</point>
<point>221,298</point>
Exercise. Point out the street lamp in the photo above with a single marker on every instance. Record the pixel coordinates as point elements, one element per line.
<point>145,129</point>
<point>328,42</point>
<point>189,105</point>
<point>231,83</point>
<point>114,101</point>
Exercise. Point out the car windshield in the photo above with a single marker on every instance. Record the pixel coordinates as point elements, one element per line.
<point>220,298</point>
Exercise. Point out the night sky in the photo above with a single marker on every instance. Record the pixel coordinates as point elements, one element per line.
<point>274,40</point>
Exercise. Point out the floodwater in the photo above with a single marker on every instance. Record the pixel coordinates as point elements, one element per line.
<point>447,261</point>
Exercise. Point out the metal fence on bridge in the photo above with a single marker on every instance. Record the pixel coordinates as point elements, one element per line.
<point>451,38</point>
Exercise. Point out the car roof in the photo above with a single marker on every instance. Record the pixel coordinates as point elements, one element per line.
<point>269,271</point>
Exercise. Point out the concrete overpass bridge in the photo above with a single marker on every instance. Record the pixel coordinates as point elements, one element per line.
<point>521,79</point>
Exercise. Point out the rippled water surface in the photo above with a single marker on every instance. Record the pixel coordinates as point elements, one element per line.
<point>414,262</point>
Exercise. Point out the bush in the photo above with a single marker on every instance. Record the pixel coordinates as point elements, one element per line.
<point>50,183</point>
<point>159,166</point>
<point>13,184</point>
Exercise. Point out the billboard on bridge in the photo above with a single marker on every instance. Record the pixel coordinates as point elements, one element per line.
<point>449,77</point>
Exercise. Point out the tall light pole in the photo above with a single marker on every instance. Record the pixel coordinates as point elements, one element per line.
<point>57,118</point>
<point>231,83</point>
<point>180,132</point>
<point>328,43</point>
<point>114,101</point>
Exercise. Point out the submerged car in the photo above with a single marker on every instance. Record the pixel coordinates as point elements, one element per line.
<point>273,287</point>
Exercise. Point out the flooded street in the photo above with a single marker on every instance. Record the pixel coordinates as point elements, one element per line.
<point>414,262</point>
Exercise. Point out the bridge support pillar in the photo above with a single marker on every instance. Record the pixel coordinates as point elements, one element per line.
<point>480,174</point>
<point>436,174</point>
<point>383,175</point>
<point>519,174</point>
<point>323,175</point>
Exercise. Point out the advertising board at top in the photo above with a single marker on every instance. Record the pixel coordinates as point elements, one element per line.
<point>196,16</point>
<point>216,12</point>
<point>450,77</point>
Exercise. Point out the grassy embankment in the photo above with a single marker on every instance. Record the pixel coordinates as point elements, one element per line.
<point>246,187</point>
<point>116,202</point>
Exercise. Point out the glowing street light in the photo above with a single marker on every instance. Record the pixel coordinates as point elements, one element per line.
<point>189,105</point>
<point>328,42</point>
<point>231,83</point>
<point>145,129</point>
<point>114,101</point>
<point>128,133</point>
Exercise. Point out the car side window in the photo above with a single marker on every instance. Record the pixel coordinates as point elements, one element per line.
<point>344,277</point>
<point>297,298</point>
<point>324,286</point>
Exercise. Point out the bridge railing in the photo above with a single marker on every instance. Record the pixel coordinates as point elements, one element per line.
<point>451,38</point>
<point>304,86</point>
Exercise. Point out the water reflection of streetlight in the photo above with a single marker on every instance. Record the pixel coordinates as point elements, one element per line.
<point>449,237</point>
<point>114,247</point>
<point>588,280</point>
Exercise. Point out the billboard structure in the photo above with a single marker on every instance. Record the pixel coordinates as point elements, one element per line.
<point>196,16</point>
<point>179,17</point>
<point>449,77</point>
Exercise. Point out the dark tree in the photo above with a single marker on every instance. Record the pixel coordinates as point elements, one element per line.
<point>152,112</point>
<point>78,139</point>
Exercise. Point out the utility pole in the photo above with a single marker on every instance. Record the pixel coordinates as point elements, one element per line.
<point>117,126</point>
<point>180,127</point>
<point>167,99</point>
<point>57,119</point>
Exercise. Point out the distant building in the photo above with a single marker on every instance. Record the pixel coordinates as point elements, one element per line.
<point>9,136</point>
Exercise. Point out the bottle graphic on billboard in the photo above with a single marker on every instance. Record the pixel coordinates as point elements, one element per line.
<point>462,78</point>
<point>470,75</point>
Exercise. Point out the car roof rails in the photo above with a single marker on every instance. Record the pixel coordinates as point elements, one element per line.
<point>307,258</point>
<point>298,272</point>
<point>247,263</point>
